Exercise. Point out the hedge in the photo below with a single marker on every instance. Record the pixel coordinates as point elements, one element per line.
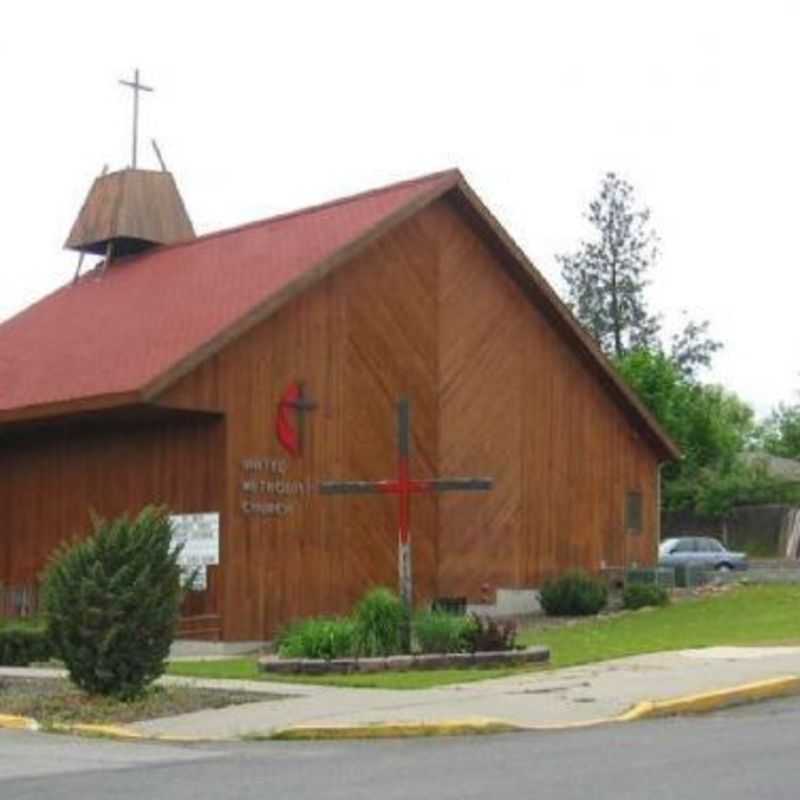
<point>21,643</point>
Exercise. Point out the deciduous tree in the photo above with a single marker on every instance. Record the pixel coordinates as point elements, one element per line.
<point>780,432</point>
<point>712,427</point>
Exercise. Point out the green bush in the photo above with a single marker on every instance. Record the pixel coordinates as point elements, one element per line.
<point>22,642</point>
<point>688,576</point>
<point>491,635</point>
<point>574,594</point>
<point>639,595</point>
<point>112,602</point>
<point>318,638</point>
<point>382,624</point>
<point>440,632</point>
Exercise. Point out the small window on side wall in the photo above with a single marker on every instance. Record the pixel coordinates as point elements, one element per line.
<point>633,512</point>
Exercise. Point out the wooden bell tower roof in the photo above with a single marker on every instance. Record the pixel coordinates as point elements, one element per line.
<point>132,209</point>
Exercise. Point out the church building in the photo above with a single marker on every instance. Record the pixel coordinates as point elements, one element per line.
<point>244,377</point>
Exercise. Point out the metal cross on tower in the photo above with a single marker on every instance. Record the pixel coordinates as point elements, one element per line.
<point>403,486</point>
<point>137,87</point>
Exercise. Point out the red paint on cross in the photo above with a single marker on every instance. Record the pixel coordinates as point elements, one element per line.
<point>404,486</point>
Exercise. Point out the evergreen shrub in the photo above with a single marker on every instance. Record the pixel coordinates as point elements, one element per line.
<point>574,594</point>
<point>111,602</point>
<point>639,595</point>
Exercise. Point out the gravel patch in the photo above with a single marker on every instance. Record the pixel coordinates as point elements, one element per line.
<point>58,701</point>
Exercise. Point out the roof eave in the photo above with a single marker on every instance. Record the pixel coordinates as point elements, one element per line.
<point>62,408</point>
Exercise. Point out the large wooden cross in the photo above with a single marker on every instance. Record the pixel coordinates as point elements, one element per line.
<point>403,486</point>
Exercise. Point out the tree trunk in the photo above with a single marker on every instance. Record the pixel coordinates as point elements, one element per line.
<point>615,320</point>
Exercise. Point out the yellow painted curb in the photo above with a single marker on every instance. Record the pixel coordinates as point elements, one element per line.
<point>711,701</point>
<point>648,709</point>
<point>394,730</point>
<point>121,732</point>
<point>18,723</point>
<point>13,722</point>
<point>106,731</point>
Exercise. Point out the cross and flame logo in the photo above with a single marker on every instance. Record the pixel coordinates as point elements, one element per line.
<point>290,423</point>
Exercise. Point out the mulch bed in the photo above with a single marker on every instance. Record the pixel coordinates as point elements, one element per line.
<point>50,700</point>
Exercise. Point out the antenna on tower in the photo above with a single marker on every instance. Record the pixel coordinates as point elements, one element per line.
<point>158,155</point>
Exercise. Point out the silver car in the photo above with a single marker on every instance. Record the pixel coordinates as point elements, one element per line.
<point>701,552</point>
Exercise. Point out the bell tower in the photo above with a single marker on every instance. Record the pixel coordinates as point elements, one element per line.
<point>130,210</point>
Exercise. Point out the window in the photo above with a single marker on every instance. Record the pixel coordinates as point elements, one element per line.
<point>633,512</point>
<point>712,546</point>
<point>684,546</point>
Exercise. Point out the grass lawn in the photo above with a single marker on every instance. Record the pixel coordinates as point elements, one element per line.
<point>247,669</point>
<point>746,615</point>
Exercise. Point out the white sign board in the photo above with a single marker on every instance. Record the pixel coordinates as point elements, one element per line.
<point>199,535</point>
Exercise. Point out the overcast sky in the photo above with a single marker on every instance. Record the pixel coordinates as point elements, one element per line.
<point>267,106</point>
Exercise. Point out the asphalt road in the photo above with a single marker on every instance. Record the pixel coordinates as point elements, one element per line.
<point>749,752</point>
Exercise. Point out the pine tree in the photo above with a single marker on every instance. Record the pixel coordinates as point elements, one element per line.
<point>606,278</point>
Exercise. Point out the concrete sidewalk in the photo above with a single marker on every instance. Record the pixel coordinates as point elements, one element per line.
<point>553,698</point>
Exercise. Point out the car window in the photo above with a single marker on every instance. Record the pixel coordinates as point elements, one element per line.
<point>712,546</point>
<point>684,546</point>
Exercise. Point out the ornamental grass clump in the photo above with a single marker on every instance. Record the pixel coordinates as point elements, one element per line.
<point>111,603</point>
<point>318,638</point>
<point>574,594</point>
<point>441,632</point>
<point>382,624</point>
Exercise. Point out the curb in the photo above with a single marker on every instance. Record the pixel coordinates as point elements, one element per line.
<point>705,702</point>
<point>648,709</point>
<point>711,701</point>
<point>13,722</point>
<point>393,730</point>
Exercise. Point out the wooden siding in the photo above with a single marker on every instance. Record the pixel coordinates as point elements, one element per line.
<point>359,340</point>
<point>54,477</point>
<point>428,310</point>
<point>131,204</point>
<point>518,403</point>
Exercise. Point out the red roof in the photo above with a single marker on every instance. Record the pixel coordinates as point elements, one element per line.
<point>120,337</point>
<point>117,333</point>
